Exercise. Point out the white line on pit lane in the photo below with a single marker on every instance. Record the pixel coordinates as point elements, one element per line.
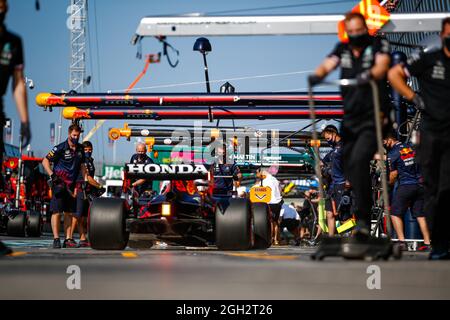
<point>27,243</point>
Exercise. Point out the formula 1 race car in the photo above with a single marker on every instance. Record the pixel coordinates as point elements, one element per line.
<point>186,209</point>
<point>23,207</point>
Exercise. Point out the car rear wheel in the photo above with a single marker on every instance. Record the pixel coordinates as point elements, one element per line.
<point>16,224</point>
<point>107,224</point>
<point>234,226</point>
<point>262,227</point>
<point>34,224</point>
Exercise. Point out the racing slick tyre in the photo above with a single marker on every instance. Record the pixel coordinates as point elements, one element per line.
<point>34,224</point>
<point>107,224</point>
<point>16,224</point>
<point>234,226</point>
<point>261,226</point>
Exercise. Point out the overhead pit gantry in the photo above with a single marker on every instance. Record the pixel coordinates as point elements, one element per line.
<point>267,25</point>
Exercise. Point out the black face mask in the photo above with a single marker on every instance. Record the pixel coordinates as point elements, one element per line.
<point>88,154</point>
<point>446,42</point>
<point>359,40</point>
<point>74,140</point>
<point>331,143</point>
<point>2,17</point>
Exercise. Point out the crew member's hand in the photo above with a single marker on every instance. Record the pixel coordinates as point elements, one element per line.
<point>314,79</point>
<point>418,102</point>
<point>364,77</point>
<point>25,133</point>
<point>54,178</point>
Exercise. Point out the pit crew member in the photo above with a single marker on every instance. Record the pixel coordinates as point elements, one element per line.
<point>404,170</point>
<point>336,187</point>
<point>363,58</point>
<point>12,65</point>
<point>141,157</point>
<point>68,162</point>
<point>432,69</point>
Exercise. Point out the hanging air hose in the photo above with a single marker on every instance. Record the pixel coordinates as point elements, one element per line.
<point>165,51</point>
<point>137,40</point>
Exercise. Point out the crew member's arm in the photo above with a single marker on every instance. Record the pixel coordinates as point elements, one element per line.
<point>20,94</point>
<point>393,177</point>
<point>86,177</point>
<point>393,160</point>
<point>416,66</point>
<point>381,66</point>
<point>90,179</point>
<point>47,166</point>
<point>138,182</point>
<point>327,65</point>
<point>51,157</point>
<point>93,182</point>
<point>397,78</point>
<point>237,176</point>
<point>330,63</point>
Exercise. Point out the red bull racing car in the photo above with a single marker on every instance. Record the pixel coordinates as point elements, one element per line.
<point>186,209</point>
<point>24,207</point>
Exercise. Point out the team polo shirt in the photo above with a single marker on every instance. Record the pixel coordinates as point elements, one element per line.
<point>67,162</point>
<point>335,159</point>
<point>224,184</point>
<point>358,101</point>
<point>402,158</point>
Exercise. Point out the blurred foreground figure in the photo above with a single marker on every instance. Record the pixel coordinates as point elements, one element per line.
<point>11,65</point>
<point>432,69</point>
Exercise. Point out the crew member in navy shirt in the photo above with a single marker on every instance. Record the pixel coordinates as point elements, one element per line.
<point>404,170</point>
<point>68,163</point>
<point>224,185</point>
<point>84,189</point>
<point>334,165</point>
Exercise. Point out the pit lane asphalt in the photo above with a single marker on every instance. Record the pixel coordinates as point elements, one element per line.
<point>35,271</point>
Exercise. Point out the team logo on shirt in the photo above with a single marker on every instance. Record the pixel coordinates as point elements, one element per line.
<point>6,55</point>
<point>367,59</point>
<point>408,156</point>
<point>346,60</point>
<point>438,71</point>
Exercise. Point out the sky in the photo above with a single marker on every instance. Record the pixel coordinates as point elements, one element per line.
<point>112,62</point>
